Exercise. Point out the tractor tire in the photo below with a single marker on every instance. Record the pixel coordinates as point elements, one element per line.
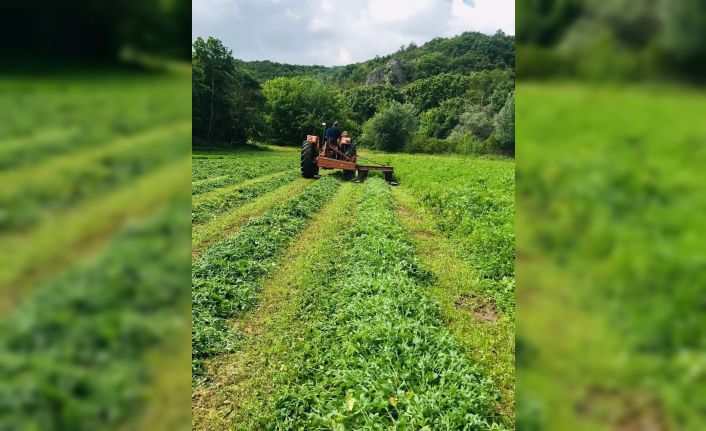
<point>308,163</point>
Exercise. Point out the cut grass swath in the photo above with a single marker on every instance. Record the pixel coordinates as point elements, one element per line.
<point>208,209</point>
<point>31,195</point>
<point>224,279</point>
<point>73,353</point>
<point>377,355</point>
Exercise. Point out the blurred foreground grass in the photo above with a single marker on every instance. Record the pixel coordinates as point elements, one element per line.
<point>94,240</point>
<point>610,257</point>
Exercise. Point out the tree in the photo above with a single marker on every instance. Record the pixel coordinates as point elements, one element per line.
<point>390,129</point>
<point>477,122</point>
<point>483,84</point>
<point>438,122</point>
<point>684,35</point>
<point>505,126</point>
<point>297,106</point>
<point>226,101</point>
<point>428,93</point>
<point>365,100</point>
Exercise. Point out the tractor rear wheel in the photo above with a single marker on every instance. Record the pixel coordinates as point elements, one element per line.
<point>308,163</point>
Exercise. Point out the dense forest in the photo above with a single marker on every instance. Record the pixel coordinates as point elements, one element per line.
<point>615,40</point>
<point>448,95</point>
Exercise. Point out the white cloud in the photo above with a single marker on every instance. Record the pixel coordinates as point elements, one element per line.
<point>485,16</point>
<point>334,32</point>
<point>211,10</point>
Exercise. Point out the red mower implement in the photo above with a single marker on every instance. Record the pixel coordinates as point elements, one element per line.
<point>328,153</point>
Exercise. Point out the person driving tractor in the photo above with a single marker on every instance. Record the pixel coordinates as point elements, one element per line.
<point>333,132</point>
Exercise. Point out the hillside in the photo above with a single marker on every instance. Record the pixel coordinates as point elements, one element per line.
<point>467,52</point>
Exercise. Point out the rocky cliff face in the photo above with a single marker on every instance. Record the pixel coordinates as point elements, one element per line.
<point>393,73</point>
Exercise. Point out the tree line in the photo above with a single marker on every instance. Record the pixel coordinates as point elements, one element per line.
<point>451,109</point>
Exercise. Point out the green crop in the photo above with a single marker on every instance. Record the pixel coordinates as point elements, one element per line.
<point>212,172</point>
<point>73,354</point>
<point>377,354</point>
<point>32,195</point>
<point>225,278</point>
<point>210,208</point>
<point>473,202</point>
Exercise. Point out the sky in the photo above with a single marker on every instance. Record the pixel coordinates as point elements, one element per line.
<point>337,32</point>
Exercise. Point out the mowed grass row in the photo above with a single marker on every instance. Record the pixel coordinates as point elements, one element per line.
<point>472,202</point>
<point>43,119</point>
<point>74,352</point>
<point>211,174</point>
<point>225,278</point>
<point>486,332</point>
<point>204,235</point>
<point>241,384</point>
<point>376,353</point>
<point>33,194</point>
<point>207,209</point>
<point>37,254</point>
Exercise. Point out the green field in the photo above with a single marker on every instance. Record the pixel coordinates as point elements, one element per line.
<point>328,304</point>
<point>93,214</point>
<point>610,257</point>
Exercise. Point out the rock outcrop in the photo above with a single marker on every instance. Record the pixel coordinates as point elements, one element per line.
<point>393,73</point>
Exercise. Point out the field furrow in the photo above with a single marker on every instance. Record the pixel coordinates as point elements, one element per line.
<point>206,234</point>
<point>64,239</point>
<point>377,354</point>
<point>31,195</point>
<point>468,308</point>
<point>74,351</point>
<point>224,278</point>
<point>233,197</point>
<point>241,385</point>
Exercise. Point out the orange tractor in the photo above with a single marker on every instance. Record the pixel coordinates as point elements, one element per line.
<point>328,153</point>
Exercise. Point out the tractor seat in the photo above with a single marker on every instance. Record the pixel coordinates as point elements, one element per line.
<point>330,141</point>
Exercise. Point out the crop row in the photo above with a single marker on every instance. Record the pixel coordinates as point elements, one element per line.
<point>73,354</point>
<point>247,163</point>
<point>75,114</point>
<point>225,278</point>
<point>206,210</point>
<point>29,196</point>
<point>377,354</point>
<point>473,203</point>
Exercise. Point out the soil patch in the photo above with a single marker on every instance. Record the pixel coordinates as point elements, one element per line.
<point>483,308</point>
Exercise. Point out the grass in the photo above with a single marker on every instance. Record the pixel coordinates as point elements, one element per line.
<point>94,191</point>
<point>330,328</point>
<point>241,384</point>
<point>207,209</point>
<point>485,332</point>
<point>225,277</point>
<point>377,353</point>
<point>609,223</point>
<point>206,234</point>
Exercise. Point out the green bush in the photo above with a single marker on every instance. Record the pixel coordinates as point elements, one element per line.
<point>505,127</point>
<point>477,122</point>
<point>438,122</point>
<point>429,145</point>
<point>428,93</point>
<point>466,143</point>
<point>391,129</point>
<point>365,100</point>
<point>297,106</point>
